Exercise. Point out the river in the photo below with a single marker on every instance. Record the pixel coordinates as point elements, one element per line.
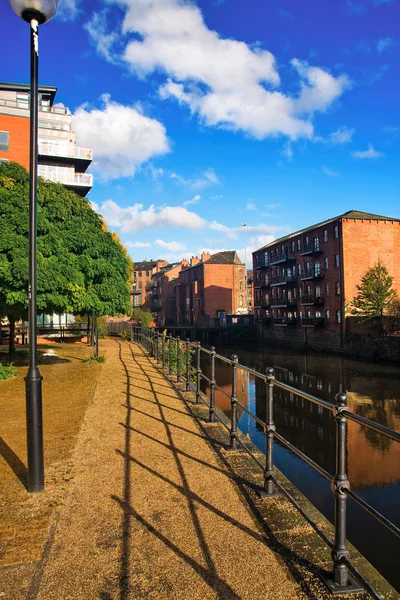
<point>373,461</point>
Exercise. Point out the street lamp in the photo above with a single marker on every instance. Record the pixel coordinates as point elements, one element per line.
<point>35,12</point>
<point>245,265</point>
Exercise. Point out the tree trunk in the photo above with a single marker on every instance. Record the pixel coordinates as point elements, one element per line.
<point>11,346</point>
<point>88,331</point>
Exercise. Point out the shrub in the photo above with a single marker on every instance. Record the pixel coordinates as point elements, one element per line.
<point>8,372</point>
<point>125,335</point>
<point>95,359</point>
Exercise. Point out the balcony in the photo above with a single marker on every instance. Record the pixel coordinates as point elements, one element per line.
<point>312,249</point>
<point>282,257</point>
<point>313,321</point>
<point>311,274</point>
<point>283,322</point>
<point>279,302</point>
<point>283,279</point>
<point>260,264</point>
<point>136,292</point>
<point>66,151</point>
<point>80,183</point>
<point>24,105</point>
<point>156,306</point>
<point>265,304</point>
<point>313,299</point>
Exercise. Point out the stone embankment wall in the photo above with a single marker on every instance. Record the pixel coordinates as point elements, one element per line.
<point>358,345</point>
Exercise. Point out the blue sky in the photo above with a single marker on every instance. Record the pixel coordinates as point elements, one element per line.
<point>208,114</point>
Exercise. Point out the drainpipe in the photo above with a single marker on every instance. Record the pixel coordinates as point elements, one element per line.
<point>341,283</point>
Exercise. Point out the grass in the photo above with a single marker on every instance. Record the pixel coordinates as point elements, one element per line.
<point>8,372</point>
<point>95,359</point>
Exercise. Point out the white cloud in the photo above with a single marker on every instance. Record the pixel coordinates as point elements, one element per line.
<point>136,218</point>
<point>208,177</point>
<point>194,200</point>
<point>121,136</point>
<point>67,10</point>
<point>384,44</point>
<point>226,82</point>
<point>172,246</point>
<point>137,244</point>
<point>330,172</point>
<point>343,135</point>
<point>251,206</point>
<point>370,153</point>
<point>287,151</point>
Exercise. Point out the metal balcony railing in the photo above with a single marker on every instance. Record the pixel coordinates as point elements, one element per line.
<point>283,279</point>
<point>183,360</point>
<point>282,257</point>
<point>312,274</point>
<point>78,179</point>
<point>313,321</point>
<point>312,299</point>
<point>67,151</point>
<point>58,110</point>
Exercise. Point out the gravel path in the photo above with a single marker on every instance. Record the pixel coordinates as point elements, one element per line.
<point>151,513</point>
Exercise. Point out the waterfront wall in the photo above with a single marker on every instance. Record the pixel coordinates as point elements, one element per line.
<point>359,345</point>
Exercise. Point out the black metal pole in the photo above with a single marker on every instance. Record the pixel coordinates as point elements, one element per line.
<point>187,364</point>
<point>170,355</point>
<point>163,350</point>
<point>198,373</point>
<point>178,359</point>
<point>212,386</point>
<point>269,487</point>
<point>233,433</point>
<point>33,380</point>
<point>96,337</point>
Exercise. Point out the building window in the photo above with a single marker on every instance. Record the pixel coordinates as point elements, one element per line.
<point>240,300</point>
<point>336,232</point>
<point>327,316</point>
<point>293,246</point>
<point>337,288</point>
<point>327,289</point>
<point>4,138</point>
<point>240,272</point>
<point>336,260</point>
<point>298,244</point>
<point>198,302</point>
<point>241,286</point>
<point>299,269</point>
<point>338,316</point>
<point>325,235</point>
<point>326,262</point>
<point>147,273</point>
<point>140,285</point>
<point>140,273</point>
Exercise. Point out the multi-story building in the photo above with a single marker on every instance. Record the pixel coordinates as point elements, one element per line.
<point>306,279</point>
<point>142,285</point>
<point>210,287</point>
<point>59,158</point>
<point>163,298</point>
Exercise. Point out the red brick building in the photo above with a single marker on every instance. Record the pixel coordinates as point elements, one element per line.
<point>210,287</point>
<point>163,299</point>
<point>305,280</point>
<point>141,292</point>
<point>59,158</point>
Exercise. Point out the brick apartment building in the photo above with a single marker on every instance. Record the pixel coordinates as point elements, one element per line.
<point>210,287</point>
<point>141,292</point>
<point>59,158</point>
<point>163,298</point>
<point>303,281</point>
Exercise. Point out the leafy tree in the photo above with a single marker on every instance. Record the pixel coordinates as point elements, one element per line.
<point>81,268</point>
<point>375,295</point>
<point>143,317</point>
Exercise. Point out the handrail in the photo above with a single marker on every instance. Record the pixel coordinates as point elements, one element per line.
<point>342,566</point>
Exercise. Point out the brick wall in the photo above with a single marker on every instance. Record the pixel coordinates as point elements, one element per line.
<point>18,128</point>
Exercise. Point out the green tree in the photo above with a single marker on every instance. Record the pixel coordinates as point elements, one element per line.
<point>81,268</point>
<point>375,296</point>
<point>143,317</point>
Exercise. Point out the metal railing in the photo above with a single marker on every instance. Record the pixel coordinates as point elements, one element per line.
<point>345,577</point>
<point>68,150</point>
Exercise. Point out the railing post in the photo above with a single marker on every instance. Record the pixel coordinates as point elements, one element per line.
<point>212,386</point>
<point>269,486</point>
<point>170,355</point>
<point>340,580</point>
<point>233,433</point>
<point>156,345</point>
<point>187,364</point>
<point>178,359</point>
<point>131,332</point>
<point>163,350</point>
<point>198,373</point>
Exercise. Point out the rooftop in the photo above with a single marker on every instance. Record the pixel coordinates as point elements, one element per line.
<point>350,214</point>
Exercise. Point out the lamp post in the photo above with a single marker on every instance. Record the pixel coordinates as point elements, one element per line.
<point>245,265</point>
<point>35,12</point>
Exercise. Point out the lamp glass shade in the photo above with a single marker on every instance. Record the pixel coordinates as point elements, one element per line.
<point>41,10</point>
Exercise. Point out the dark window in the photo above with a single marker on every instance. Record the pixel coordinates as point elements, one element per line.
<point>327,289</point>
<point>336,260</point>
<point>338,316</point>
<point>4,138</point>
<point>325,235</point>
<point>326,262</point>
<point>327,316</point>
<point>336,232</point>
<point>337,288</point>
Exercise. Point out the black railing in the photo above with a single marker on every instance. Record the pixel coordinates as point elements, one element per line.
<point>185,362</point>
<point>312,299</point>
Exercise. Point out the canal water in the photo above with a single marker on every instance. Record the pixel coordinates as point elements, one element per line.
<point>373,461</point>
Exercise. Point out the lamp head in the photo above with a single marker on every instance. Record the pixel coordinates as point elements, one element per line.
<point>39,10</point>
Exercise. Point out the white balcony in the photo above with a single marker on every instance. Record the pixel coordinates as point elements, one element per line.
<point>67,177</point>
<point>65,150</point>
<point>20,104</point>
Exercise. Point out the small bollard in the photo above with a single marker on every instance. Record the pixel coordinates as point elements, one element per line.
<point>212,386</point>
<point>340,580</point>
<point>269,486</point>
<point>170,355</point>
<point>198,373</point>
<point>187,364</point>
<point>178,359</point>
<point>233,433</point>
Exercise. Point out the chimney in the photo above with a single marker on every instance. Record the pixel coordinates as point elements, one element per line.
<point>194,260</point>
<point>184,263</point>
<point>205,256</point>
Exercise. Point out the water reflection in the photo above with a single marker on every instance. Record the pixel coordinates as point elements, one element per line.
<point>373,461</point>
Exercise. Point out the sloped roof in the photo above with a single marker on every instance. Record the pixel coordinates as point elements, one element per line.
<point>350,214</point>
<point>145,265</point>
<point>228,257</point>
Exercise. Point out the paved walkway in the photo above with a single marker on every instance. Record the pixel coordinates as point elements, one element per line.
<point>152,512</point>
